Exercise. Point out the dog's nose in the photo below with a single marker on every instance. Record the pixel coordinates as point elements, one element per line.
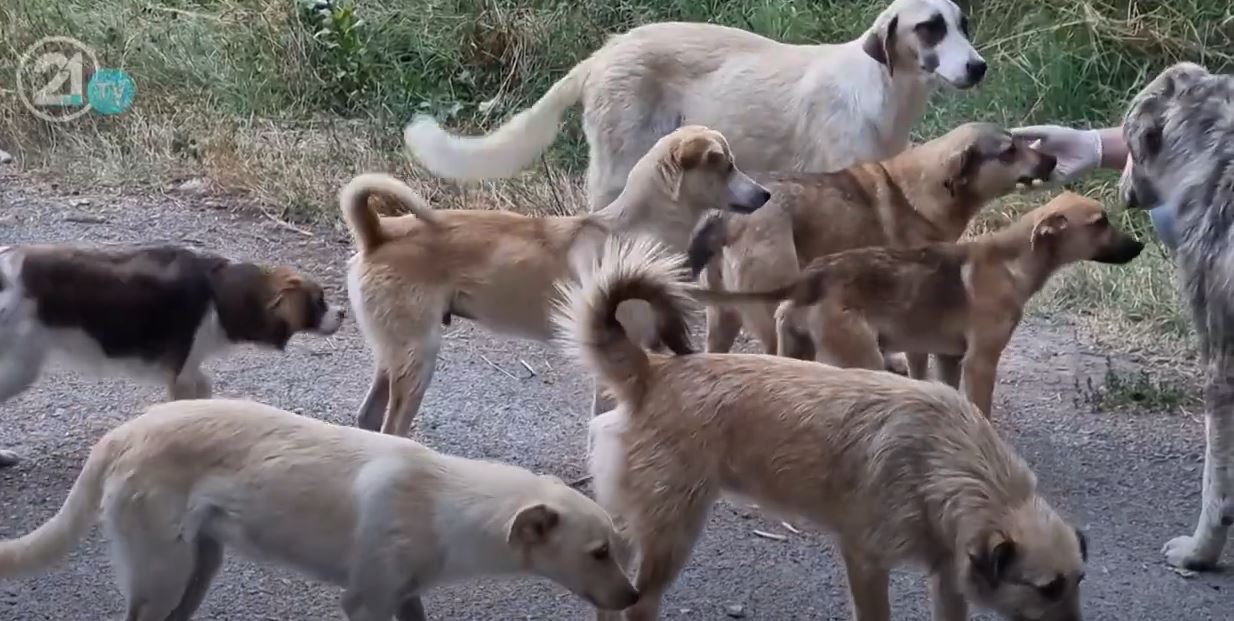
<point>631,598</point>
<point>976,70</point>
<point>763,197</point>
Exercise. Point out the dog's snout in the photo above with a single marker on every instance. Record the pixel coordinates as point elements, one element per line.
<point>748,196</point>
<point>976,70</point>
<point>1120,253</point>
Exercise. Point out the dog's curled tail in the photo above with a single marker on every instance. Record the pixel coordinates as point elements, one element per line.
<point>56,537</point>
<point>364,223</point>
<point>510,148</point>
<point>629,269</point>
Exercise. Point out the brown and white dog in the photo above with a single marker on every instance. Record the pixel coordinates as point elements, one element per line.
<point>151,312</point>
<point>500,268</point>
<point>959,301</point>
<point>900,471</point>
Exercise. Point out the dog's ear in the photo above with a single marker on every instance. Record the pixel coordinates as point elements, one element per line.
<point>992,557</point>
<point>1047,228</point>
<point>689,153</point>
<point>685,154</point>
<point>533,525</point>
<point>880,45</point>
<point>957,168</point>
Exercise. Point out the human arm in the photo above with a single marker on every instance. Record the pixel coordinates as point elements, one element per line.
<point>1078,151</point>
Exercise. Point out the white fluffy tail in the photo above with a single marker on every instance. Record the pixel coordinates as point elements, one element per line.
<point>630,269</point>
<point>56,537</point>
<point>509,149</point>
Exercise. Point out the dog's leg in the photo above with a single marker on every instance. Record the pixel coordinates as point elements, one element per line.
<point>945,595</point>
<point>949,369</point>
<point>154,565</point>
<point>790,342</point>
<point>18,370</point>
<point>760,321</point>
<point>664,541</point>
<point>723,325</point>
<point>191,383</point>
<point>375,402</point>
<point>208,561</point>
<point>868,588</point>
<point>412,609</point>
<point>979,369</point>
<point>844,339</point>
<point>1202,549</point>
<point>409,380</point>
<point>918,365</point>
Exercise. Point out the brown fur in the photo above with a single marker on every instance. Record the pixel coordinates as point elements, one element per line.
<point>959,301</point>
<point>500,268</point>
<point>900,471</point>
<point>926,194</point>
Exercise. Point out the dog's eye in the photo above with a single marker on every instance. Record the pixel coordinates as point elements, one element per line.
<point>964,25</point>
<point>1101,222</point>
<point>932,30</point>
<point>600,553</point>
<point>1054,589</point>
<point>1152,140</point>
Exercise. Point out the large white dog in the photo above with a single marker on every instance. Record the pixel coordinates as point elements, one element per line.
<point>806,108</point>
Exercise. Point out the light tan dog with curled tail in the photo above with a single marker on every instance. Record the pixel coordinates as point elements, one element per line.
<point>413,273</point>
<point>384,517</point>
<point>900,471</point>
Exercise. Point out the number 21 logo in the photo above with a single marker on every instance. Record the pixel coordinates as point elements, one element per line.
<point>64,70</point>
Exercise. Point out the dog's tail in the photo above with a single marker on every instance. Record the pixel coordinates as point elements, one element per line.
<point>364,223</point>
<point>510,148</point>
<point>722,296</point>
<point>55,538</point>
<point>630,269</point>
<point>712,234</point>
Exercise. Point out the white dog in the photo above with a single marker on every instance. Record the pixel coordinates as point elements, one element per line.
<point>806,108</point>
<point>383,516</point>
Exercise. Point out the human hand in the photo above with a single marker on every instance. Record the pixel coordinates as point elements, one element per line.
<point>1078,151</point>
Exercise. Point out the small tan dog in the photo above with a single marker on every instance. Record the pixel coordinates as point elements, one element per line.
<point>384,517</point>
<point>499,268</point>
<point>926,194</point>
<point>959,301</point>
<point>900,470</point>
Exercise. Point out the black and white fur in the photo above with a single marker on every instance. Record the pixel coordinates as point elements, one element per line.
<point>154,313</point>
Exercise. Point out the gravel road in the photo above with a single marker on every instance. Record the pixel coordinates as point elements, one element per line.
<point>1130,479</point>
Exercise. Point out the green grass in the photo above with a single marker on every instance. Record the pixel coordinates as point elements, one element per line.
<point>284,102</point>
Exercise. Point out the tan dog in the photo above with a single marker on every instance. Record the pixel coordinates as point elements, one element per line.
<point>901,471</point>
<point>926,194</point>
<point>384,517</point>
<point>499,268</point>
<point>959,301</point>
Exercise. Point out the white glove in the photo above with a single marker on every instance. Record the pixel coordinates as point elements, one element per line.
<point>1078,151</point>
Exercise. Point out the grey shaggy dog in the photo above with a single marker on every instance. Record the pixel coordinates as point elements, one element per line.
<point>1180,130</point>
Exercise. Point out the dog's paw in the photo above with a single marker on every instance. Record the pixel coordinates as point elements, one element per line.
<point>8,458</point>
<point>1185,553</point>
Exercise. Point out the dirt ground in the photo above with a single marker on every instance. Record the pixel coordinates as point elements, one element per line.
<point>1130,479</point>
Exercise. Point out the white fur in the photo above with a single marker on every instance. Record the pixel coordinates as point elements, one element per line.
<point>810,108</point>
